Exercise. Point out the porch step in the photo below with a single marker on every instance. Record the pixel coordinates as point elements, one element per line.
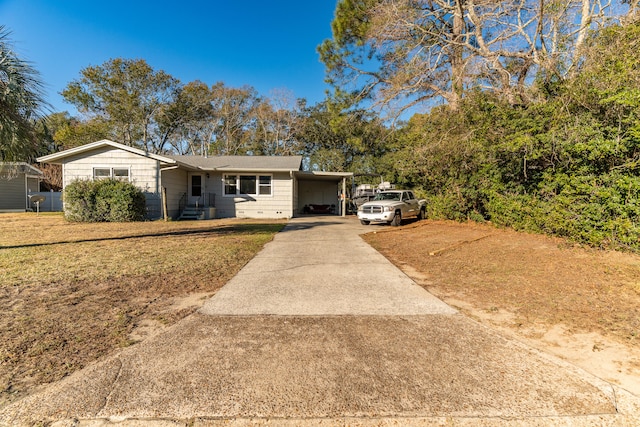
<point>191,213</point>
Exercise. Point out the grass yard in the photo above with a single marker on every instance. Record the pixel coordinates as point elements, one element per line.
<point>71,293</point>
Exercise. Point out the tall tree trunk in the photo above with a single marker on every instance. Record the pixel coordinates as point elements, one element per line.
<point>585,21</point>
<point>457,61</point>
<point>634,11</point>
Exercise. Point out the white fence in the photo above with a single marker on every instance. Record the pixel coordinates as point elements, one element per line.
<point>52,201</point>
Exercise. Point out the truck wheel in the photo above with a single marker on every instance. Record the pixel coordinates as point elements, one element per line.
<point>421,215</point>
<point>397,219</point>
<point>365,222</point>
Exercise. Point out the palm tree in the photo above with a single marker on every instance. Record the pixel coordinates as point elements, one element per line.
<point>21,104</point>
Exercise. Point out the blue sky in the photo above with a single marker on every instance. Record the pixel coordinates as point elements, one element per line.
<point>267,44</point>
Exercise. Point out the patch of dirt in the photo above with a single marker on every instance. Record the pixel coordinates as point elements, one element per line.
<point>146,328</point>
<point>580,304</point>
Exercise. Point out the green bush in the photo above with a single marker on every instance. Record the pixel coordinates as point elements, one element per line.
<point>104,200</point>
<point>453,203</point>
<point>601,211</point>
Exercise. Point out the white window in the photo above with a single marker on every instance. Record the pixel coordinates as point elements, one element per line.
<point>264,185</point>
<point>253,185</point>
<point>230,185</point>
<point>101,173</point>
<point>121,174</point>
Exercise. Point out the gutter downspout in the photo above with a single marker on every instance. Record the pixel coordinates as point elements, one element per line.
<point>294,194</point>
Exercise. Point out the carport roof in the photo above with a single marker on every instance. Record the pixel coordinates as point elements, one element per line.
<point>323,176</point>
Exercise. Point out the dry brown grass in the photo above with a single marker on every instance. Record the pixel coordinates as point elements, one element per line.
<point>579,304</point>
<point>71,292</point>
<point>537,279</point>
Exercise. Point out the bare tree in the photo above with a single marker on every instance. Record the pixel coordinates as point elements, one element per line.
<point>52,176</point>
<point>233,118</point>
<point>190,119</point>
<point>402,53</point>
<point>277,119</point>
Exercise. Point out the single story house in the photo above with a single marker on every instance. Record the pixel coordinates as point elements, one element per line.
<point>17,181</point>
<point>217,186</point>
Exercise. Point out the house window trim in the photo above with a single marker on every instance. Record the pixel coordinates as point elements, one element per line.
<point>238,193</point>
<point>112,170</point>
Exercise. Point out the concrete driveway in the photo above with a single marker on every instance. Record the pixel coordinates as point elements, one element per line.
<point>320,329</point>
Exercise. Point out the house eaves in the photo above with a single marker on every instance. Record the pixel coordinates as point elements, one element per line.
<point>255,164</point>
<point>57,157</point>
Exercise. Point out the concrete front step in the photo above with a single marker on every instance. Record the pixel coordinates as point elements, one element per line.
<point>192,213</point>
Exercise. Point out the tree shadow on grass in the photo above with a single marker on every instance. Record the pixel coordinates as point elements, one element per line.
<point>219,230</point>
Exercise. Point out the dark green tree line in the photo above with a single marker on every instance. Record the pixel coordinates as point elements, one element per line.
<point>566,165</point>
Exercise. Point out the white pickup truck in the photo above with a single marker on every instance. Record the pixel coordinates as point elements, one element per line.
<point>392,207</point>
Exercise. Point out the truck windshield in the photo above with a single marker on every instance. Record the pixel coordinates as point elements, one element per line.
<point>387,196</point>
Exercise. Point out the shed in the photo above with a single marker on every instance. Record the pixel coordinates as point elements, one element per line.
<point>17,181</point>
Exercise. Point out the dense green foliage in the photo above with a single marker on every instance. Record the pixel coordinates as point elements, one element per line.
<point>335,139</point>
<point>129,95</point>
<point>566,165</point>
<point>105,200</point>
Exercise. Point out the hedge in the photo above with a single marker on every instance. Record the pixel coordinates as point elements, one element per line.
<point>105,200</point>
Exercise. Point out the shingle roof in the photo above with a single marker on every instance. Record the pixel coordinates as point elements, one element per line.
<point>56,157</point>
<point>223,163</point>
<point>248,163</point>
<point>20,167</point>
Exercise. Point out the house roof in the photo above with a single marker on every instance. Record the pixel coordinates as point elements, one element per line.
<point>56,157</point>
<point>242,163</point>
<point>20,167</point>
<point>221,163</point>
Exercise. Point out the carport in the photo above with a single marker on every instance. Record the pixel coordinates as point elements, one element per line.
<point>321,189</point>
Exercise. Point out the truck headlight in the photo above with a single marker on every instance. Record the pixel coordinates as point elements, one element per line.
<point>389,208</point>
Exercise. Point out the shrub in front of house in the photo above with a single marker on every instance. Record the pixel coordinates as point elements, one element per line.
<point>105,200</point>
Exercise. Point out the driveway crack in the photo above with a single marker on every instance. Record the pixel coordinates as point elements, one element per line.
<point>311,264</point>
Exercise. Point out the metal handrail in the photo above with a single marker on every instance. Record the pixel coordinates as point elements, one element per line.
<point>182,204</point>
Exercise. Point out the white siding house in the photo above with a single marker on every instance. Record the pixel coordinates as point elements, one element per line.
<point>224,186</point>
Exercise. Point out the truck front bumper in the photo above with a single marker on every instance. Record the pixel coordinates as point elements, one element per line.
<point>376,217</point>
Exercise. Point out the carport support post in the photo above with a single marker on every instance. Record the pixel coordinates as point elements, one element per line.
<point>164,203</point>
<point>343,202</point>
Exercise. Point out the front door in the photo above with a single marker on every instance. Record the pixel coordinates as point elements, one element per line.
<point>196,189</point>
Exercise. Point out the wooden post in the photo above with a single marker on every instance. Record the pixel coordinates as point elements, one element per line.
<point>164,203</point>
<point>344,196</point>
